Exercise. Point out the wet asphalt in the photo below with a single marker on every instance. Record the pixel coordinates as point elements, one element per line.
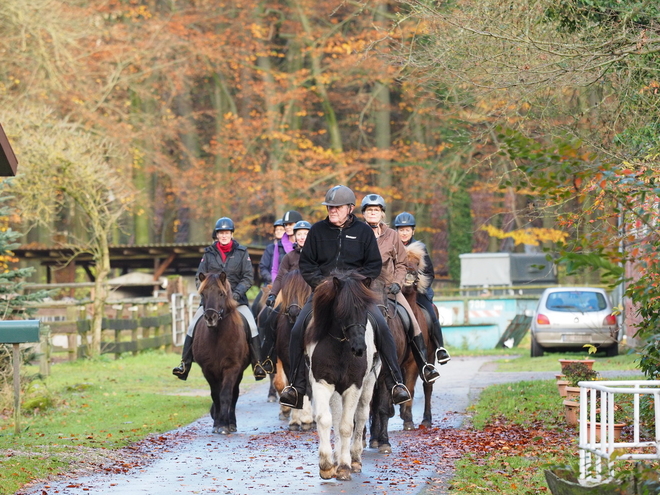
<point>264,457</point>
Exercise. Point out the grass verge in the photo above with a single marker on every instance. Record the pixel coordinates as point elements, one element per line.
<point>97,406</point>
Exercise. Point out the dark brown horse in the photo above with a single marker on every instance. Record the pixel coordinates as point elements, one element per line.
<point>295,292</point>
<point>382,408</point>
<point>343,368</point>
<point>220,348</point>
<point>416,282</point>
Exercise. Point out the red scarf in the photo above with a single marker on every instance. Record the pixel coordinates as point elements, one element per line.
<point>224,249</point>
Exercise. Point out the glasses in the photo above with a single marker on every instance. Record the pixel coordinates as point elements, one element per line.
<point>330,208</point>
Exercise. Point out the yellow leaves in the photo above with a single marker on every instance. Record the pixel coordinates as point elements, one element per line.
<point>533,236</point>
<point>258,32</point>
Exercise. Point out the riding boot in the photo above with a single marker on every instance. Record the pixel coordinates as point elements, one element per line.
<point>255,350</point>
<point>427,371</point>
<point>441,354</point>
<point>293,394</point>
<point>181,371</point>
<point>267,331</point>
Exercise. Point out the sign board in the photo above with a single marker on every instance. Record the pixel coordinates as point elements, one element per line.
<point>19,331</point>
<point>8,161</point>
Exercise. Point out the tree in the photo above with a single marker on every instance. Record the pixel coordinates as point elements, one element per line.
<point>65,166</point>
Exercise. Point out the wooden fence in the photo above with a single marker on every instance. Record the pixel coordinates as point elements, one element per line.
<point>130,325</point>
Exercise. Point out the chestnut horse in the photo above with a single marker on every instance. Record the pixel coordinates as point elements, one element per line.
<point>295,292</point>
<point>343,368</point>
<point>220,348</point>
<point>417,282</point>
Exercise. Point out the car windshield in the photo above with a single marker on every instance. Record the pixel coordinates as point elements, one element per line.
<point>583,301</point>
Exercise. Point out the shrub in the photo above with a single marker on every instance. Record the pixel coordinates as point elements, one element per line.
<point>579,372</point>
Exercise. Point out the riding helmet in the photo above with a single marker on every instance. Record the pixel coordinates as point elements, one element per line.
<point>301,225</point>
<point>278,223</point>
<point>373,200</point>
<point>291,216</point>
<point>339,196</point>
<point>224,223</point>
<point>404,219</point>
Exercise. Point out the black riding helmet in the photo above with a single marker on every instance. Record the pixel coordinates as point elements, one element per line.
<point>404,219</point>
<point>373,200</point>
<point>291,216</point>
<point>224,223</point>
<point>278,223</point>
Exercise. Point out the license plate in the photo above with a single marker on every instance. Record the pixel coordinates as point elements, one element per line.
<point>574,338</point>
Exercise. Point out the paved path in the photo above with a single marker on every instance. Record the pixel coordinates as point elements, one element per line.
<point>264,457</point>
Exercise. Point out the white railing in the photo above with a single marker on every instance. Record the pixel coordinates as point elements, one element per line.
<point>598,444</point>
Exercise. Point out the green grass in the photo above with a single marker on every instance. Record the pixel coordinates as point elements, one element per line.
<point>98,405</point>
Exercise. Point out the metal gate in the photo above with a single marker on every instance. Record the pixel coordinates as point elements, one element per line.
<point>179,318</point>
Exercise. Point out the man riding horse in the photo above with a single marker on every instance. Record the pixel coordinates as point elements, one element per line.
<point>340,242</point>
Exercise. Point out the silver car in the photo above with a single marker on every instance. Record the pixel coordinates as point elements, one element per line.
<point>568,318</point>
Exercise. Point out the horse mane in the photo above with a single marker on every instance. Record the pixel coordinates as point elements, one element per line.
<point>225,289</point>
<point>332,305</point>
<point>294,289</point>
<point>416,258</point>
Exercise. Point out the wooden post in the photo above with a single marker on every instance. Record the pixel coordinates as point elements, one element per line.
<point>44,347</point>
<point>17,390</point>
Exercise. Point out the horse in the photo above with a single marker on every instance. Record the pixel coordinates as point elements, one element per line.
<point>258,311</point>
<point>295,292</point>
<point>342,371</point>
<point>382,408</point>
<point>417,282</point>
<point>220,348</point>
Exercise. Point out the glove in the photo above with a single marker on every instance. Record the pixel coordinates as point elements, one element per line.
<point>395,288</point>
<point>271,300</point>
<point>236,296</point>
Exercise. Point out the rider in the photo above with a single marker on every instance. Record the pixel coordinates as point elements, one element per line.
<point>405,226</point>
<point>285,244</point>
<point>340,242</point>
<point>392,276</point>
<point>225,255</point>
<point>289,263</point>
<point>266,262</point>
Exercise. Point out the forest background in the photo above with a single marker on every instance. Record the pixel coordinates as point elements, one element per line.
<point>509,127</point>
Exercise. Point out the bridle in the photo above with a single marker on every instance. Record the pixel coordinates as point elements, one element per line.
<point>344,338</point>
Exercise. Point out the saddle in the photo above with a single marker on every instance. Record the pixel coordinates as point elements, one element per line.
<point>403,314</point>
<point>427,316</point>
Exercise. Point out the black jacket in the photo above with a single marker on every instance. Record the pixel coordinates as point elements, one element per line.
<point>266,264</point>
<point>329,248</point>
<point>237,267</point>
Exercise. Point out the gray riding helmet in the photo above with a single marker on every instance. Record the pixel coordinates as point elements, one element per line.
<point>302,224</point>
<point>404,219</point>
<point>278,223</point>
<point>373,200</point>
<point>339,196</point>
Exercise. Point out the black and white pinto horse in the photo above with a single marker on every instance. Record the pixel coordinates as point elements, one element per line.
<point>344,365</point>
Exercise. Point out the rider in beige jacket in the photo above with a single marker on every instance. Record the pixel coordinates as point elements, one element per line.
<point>392,275</point>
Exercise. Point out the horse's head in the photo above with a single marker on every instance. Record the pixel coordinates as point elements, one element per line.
<point>415,266</point>
<point>340,309</point>
<point>295,292</point>
<point>217,297</point>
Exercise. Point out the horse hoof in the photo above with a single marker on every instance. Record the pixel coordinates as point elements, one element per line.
<point>343,473</point>
<point>386,448</point>
<point>426,424</point>
<point>294,427</point>
<point>221,430</point>
<point>215,430</point>
<point>307,426</point>
<point>408,426</point>
<point>356,467</point>
<point>327,474</point>
<point>233,429</point>
<point>373,444</point>
<point>272,398</point>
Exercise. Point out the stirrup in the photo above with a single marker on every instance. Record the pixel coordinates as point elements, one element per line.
<point>443,360</point>
<point>296,401</point>
<point>180,370</point>
<point>401,399</point>
<point>259,372</point>
<point>429,368</point>
<point>268,366</point>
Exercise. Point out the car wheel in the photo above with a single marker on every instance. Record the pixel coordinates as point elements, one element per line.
<point>537,350</point>
<point>612,350</point>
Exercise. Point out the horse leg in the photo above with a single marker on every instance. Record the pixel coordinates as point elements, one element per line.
<point>350,401</point>
<point>405,411</point>
<point>272,393</point>
<point>226,399</point>
<point>361,417</point>
<point>306,417</point>
<point>232,412</point>
<point>322,394</point>
<point>427,421</point>
<point>215,407</point>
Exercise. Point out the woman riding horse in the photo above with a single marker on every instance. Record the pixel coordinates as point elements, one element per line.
<point>228,256</point>
<point>392,277</point>
<point>340,242</point>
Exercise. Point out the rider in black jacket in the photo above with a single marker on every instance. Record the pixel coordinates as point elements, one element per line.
<point>228,256</point>
<point>340,242</point>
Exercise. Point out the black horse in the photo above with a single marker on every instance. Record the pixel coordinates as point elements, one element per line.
<point>220,348</point>
<point>343,368</point>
